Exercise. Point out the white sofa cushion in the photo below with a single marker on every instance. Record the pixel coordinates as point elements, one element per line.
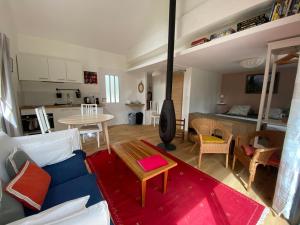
<point>97,214</point>
<point>58,212</point>
<point>48,153</point>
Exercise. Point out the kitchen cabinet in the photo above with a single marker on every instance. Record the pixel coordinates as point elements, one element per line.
<point>74,72</point>
<point>33,67</point>
<point>51,69</point>
<point>57,70</point>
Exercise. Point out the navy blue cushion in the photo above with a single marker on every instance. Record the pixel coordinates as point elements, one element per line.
<point>81,153</point>
<point>68,169</point>
<point>76,188</point>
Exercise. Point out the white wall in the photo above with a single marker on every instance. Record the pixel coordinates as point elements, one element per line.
<point>204,90</point>
<point>159,90</point>
<point>8,28</point>
<point>36,93</point>
<point>156,34</point>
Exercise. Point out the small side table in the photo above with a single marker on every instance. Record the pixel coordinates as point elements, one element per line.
<point>222,108</point>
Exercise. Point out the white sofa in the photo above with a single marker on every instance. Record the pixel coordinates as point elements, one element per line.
<point>7,144</point>
<point>71,173</point>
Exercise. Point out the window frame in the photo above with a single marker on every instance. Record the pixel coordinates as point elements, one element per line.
<point>112,88</point>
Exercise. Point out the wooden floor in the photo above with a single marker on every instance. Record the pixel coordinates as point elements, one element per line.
<point>214,165</point>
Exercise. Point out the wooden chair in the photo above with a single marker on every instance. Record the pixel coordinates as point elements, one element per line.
<point>180,126</point>
<point>264,154</point>
<point>210,144</point>
<point>90,109</point>
<point>43,119</point>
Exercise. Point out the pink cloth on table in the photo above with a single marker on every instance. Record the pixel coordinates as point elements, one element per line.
<point>152,162</point>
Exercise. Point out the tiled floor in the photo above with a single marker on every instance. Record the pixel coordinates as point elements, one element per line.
<point>214,165</point>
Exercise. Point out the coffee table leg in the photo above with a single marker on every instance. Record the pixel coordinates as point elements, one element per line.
<point>165,181</point>
<point>144,185</point>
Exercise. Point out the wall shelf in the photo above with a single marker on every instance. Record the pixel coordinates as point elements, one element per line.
<point>135,105</point>
<point>223,54</point>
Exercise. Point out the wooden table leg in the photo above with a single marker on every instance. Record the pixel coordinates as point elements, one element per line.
<point>144,186</point>
<point>105,130</point>
<point>165,181</point>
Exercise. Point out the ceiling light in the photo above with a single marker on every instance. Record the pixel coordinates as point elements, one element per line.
<point>252,62</point>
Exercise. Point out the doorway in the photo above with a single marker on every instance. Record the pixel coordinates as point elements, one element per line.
<point>177,93</point>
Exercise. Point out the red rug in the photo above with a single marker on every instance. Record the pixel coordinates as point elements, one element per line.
<point>192,197</point>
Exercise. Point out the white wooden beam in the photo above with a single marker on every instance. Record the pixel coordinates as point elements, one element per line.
<point>264,90</point>
<point>271,88</point>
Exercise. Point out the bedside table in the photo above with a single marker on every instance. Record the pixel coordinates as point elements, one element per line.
<point>222,108</point>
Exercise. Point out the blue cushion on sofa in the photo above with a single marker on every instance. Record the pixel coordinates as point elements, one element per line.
<point>76,188</point>
<point>81,153</point>
<point>68,169</point>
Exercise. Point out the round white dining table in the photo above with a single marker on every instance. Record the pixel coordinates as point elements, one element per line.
<point>86,119</point>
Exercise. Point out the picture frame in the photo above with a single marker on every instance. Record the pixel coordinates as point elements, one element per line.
<point>254,83</point>
<point>90,77</point>
<point>141,87</point>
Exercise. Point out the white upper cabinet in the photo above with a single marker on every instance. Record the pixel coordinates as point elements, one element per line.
<point>33,67</point>
<point>43,68</point>
<point>74,72</point>
<point>57,70</point>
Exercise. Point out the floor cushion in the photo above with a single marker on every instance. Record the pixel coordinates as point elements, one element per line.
<point>68,169</point>
<point>76,188</point>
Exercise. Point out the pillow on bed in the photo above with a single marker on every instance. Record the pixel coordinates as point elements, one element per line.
<point>275,113</point>
<point>239,110</point>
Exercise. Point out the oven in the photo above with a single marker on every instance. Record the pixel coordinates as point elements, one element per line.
<point>31,125</point>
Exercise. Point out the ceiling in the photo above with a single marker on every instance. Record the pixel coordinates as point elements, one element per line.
<point>114,26</point>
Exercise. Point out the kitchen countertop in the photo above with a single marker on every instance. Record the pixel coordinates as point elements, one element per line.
<point>54,106</point>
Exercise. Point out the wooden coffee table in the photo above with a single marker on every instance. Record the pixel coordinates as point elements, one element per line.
<point>131,151</point>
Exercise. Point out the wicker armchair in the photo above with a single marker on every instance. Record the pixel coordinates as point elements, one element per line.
<point>209,144</point>
<point>273,142</point>
<point>201,126</point>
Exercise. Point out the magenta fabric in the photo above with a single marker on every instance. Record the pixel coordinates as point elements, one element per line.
<point>152,162</point>
<point>192,197</point>
<point>248,150</point>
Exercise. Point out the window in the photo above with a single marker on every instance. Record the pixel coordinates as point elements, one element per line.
<point>112,89</point>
